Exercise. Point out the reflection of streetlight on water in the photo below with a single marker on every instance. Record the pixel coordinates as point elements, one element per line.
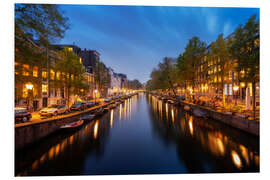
<point>29,88</point>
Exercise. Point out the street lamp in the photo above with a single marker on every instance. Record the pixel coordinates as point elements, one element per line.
<point>29,88</point>
<point>235,89</point>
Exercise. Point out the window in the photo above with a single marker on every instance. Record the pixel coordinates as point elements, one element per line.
<point>44,74</point>
<point>26,70</point>
<point>72,77</point>
<point>16,67</point>
<point>52,74</point>
<point>44,88</point>
<point>230,75</point>
<point>63,76</point>
<point>58,74</point>
<point>35,71</point>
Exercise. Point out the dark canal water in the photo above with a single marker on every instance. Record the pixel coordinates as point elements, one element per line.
<point>141,136</point>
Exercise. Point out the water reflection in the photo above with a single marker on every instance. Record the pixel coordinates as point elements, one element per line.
<point>96,129</point>
<point>145,128</point>
<point>218,140</point>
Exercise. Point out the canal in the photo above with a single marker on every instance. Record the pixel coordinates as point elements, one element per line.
<point>142,135</point>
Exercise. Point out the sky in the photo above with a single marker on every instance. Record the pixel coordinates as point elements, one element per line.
<point>134,39</point>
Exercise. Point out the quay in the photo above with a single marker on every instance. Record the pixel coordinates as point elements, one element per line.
<point>236,121</point>
<point>32,131</point>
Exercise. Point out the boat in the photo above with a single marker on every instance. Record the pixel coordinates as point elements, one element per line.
<point>72,126</point>
<point>170,101</point>
<point>99,112</point>
<point>88,117</point>
<point>106,109</point>
<point>199,113</point>
<point>186,108</point>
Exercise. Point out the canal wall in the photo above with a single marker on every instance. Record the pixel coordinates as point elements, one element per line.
<point>242,123</point>
<point>30,132</point>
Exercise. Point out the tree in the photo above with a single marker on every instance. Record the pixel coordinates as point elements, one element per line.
<point>190,59</point>
<point>245,47</point>
<point>44,22</point>
<point>219,51</point>
<point>72,73</point>
<point>182,70</point>
<point>134,84</point>
<point>102,76</point>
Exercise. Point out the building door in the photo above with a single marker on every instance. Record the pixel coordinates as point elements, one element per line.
<point>44,102</point>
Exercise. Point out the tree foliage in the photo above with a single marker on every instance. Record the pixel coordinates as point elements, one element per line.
<point>69,65</point>
<point>102,76</point>
<point>44,22</point>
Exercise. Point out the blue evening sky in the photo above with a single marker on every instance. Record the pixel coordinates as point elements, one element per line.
<point>134,39</point>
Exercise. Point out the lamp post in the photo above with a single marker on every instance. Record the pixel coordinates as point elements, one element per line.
<point>235,89</point>
<point>29,88</point>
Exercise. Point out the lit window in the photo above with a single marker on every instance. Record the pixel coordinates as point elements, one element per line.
<point>44,74</point>
<point>80,60</point>
<point>16,67</point>
<point>35,71</point>
<point>44,88</point>
<point>58,74</point>
<point>63,75</point>
<point>72,77</point>
<point>70,49</point>
<point>26,70</point>
<point>52,74</point>
<point>230,75</point>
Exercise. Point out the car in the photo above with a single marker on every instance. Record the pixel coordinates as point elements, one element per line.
<point>107,99</point>
<point>181,98</point>
<point>79,106</point>
<point>54,110</point>
<point>90,103</point>
<point>22,114</point>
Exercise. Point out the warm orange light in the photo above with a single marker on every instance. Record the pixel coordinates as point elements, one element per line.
<point>190,123</point>
<point>236,159</point>
<point>111,120</point>
<point>96,129</point>
<point>172,115</point>
<point>29,86</point>
<point>235,88</point>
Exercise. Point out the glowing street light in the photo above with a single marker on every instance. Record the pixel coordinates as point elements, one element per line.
<point>29,88</point>
<point>235,89</point>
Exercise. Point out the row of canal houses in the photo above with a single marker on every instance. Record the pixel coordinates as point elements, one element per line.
<point>34,80</point>
<point>208,81</point>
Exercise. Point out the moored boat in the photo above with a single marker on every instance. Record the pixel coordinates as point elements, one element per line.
<point>186,108</point>
<point>99,112</point>
<point>72,126</point>
<point>88,117</point>
<point>199,113</point>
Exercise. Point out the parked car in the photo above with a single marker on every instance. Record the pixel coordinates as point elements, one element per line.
<point>54,110</point>
<point>90,103</point>
<point>79,106</point>
<point>181,98</point>
<point>22,114</point>
<point>107,99</point>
